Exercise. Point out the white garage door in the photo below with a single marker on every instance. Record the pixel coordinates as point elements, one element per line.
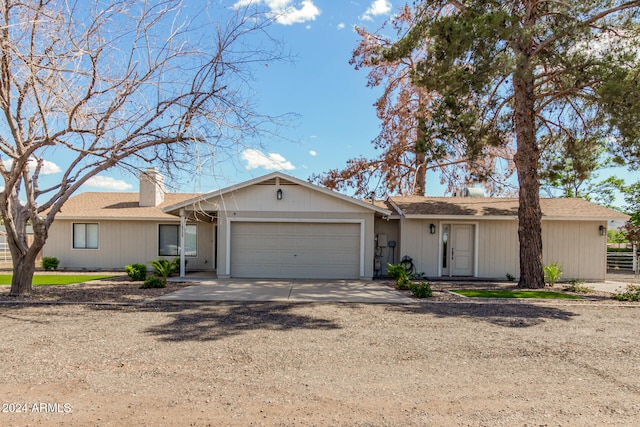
<point>295,250</point>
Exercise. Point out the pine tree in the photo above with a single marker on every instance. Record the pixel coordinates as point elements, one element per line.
<point>532,72</point>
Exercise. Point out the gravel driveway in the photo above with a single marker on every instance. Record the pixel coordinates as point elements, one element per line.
<point>325,364</point>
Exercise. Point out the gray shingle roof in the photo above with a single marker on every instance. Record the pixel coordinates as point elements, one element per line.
<point>98,205</point>
<point>501,207</point>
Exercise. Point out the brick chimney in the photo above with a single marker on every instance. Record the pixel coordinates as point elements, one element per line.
<point>151,188</point>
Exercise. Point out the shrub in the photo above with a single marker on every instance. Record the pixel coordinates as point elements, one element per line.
<point>163,268</point>
<point>153,282</point>
<point>136,272</point>
<point>403,284</point>
<point>421,290</point>
<point>50,263</point>
<point>632,293</point>
<point>577,286</point>
<point>511,277</point>
<point>552,273</point>
<point>396,271</point>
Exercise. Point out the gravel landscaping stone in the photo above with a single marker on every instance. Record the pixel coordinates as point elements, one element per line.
<point>447,361</point>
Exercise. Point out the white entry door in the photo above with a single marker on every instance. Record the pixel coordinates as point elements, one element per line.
<point>462,249</point>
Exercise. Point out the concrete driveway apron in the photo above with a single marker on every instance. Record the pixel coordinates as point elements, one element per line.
<point>354,291</point>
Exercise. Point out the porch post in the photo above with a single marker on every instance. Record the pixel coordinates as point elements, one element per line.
<point>183,226</point>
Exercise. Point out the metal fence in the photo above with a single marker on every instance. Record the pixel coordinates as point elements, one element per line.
<point>622,261</point>
<point>5,255</point>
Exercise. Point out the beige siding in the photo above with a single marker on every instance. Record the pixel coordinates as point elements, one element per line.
<point>121,243</point>
<point>295,198</point>
<point>577,246</point>
<point>498,249</point>
<point>385,254</point>
<point>421,245</point>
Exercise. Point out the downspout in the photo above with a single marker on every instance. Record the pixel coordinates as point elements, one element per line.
<point>183,226</point>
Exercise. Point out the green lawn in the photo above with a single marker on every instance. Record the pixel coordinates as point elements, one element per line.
<point>55,279</point>
<point>507,293</point>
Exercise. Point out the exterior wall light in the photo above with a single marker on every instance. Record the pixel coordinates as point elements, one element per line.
<point>432,228</point>
<point>603,231</point>
<point>279,194</point>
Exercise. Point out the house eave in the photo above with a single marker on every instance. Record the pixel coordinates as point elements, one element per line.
<point>461,217</point>
<point>168,218</point>
<point>500,217</point>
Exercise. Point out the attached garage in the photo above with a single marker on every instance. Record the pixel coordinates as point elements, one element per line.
<point>304,250</point>
<point>280,227</point>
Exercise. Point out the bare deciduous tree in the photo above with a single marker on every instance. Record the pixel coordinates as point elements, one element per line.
<point>112,84</point>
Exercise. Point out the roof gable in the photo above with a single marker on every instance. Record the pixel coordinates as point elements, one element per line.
<point>223,198</point>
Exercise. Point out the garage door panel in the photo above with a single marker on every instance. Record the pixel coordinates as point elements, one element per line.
<point>295,250</point>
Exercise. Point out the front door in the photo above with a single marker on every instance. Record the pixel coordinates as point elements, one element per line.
<point>462,254</point>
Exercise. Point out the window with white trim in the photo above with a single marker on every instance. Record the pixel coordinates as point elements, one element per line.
<point>169,240</point>
<point>85,236</point>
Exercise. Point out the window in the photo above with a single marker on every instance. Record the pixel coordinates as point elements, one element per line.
<point>85,236</point>
<point>169,240</point>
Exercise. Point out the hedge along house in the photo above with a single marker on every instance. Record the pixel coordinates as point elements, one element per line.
<point>478,236</point>
<point>278,226</point>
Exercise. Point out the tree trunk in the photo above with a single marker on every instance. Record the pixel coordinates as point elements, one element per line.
<point>24,265</point>
<point>420,149</point>
<point>24,251</point>
<point>526,159</point>
<point>421,175</point>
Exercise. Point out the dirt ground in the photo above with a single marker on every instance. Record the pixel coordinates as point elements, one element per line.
<point>439,362</point>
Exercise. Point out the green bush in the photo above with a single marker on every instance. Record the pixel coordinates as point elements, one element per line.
<point>50,263</point>
<point>552,273</point>
<point>421,290</point>
<point>396,271</point>
<point>511,277</point>
<point>153,282</point>
<point>136,272</point>
<point>577,286</point>
<point>403,284</point>
<point>632,293</point>
<point>164,268</point>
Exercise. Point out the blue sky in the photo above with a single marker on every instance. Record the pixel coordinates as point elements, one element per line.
<point>334,114</point>
<point>335,118</point>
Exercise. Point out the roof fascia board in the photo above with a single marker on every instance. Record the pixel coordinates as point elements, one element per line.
<point>573,218</point>
<point>396,207</point>
<point>458,217</point>
<point>505,217</point>
<point>169,218</point>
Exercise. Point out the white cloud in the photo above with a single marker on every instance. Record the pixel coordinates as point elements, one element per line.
<point>108,183</point>
<point>378,7</point>
<point>286,12</point>
<point>340,26</point>
<point>607,43</point>
<point>272,161</point>
<point>48,168</point>
<point>313,153</point>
